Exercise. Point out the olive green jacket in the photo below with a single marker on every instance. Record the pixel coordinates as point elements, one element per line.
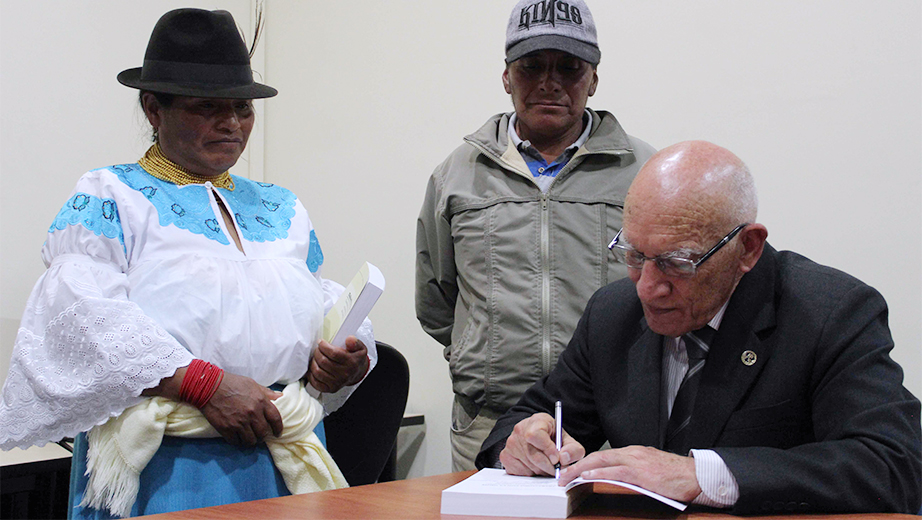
<point>514,267</point>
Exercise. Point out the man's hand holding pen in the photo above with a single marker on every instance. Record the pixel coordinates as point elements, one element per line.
<point>532,448</point>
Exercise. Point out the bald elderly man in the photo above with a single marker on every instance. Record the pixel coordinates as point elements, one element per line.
<point>723,372</point>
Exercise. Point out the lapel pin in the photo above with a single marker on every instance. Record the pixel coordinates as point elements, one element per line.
<point>749,358</point>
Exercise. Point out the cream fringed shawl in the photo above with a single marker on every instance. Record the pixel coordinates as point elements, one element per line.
<point>121,448</point>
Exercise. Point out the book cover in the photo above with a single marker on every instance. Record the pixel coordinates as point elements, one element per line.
<point>353,305</point>
<point>493,492</point>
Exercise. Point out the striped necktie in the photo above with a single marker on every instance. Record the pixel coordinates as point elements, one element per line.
<point>678,435</point>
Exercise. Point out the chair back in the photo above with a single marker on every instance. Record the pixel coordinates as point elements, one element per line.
<point>362,434</point>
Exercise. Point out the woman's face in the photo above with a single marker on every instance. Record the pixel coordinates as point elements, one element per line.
<point>204,135</point>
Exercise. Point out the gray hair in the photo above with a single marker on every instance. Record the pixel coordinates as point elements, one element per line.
<point>742,200</point>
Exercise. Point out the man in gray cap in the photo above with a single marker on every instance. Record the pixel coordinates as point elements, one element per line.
<point>512,233</point>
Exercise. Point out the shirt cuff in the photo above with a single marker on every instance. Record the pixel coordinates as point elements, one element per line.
<point>717,483</point>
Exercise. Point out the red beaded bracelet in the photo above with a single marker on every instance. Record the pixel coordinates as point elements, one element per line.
<point>200,383</point>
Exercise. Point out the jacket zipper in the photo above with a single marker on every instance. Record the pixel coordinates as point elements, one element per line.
<point>545,287</point>
<point>545,248</point>
<point>546,354</point>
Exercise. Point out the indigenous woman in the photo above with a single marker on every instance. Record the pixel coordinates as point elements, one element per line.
<point>179,319</point>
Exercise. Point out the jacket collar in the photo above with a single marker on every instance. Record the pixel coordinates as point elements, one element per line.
<point>645,368</point>
<point>606,137</point>
<point>727,378</point>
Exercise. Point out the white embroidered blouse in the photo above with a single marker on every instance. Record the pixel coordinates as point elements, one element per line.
<point>142,277</point>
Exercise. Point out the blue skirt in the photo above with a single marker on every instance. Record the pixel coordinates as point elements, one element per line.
<point>187,474</point>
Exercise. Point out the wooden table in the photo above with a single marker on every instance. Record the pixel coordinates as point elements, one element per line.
<point>420,498</point>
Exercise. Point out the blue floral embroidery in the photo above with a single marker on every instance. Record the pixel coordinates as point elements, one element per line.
<point>263,211</point>
<point>314,254</point>
<point>213,225</point>
<point>187,207</point>
<point>98,215</point>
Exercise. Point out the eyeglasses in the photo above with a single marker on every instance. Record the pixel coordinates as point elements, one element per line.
<point>674,263</point>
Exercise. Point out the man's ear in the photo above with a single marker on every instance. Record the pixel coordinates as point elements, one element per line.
<point>752,237</point>
<point>506,80</point>
<point>595,82</point>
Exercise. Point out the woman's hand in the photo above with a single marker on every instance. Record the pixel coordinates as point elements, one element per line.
<point>242,411</point>
<point>332,368</point>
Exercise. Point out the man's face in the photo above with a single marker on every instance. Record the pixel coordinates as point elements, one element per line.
<point>674,305</point>
<point>204,135</point>
<point>549,91</point>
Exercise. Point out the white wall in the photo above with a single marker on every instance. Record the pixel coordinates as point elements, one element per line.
<point>823,100</point>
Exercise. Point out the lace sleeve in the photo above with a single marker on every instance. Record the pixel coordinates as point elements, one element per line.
<point>83,352</point>
<point>91,362</point>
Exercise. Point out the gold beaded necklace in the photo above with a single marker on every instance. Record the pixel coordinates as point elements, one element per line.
<point>157,164</point>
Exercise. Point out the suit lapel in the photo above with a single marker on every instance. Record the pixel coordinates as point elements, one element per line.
<point>644,374</point>
<point>727,377</point>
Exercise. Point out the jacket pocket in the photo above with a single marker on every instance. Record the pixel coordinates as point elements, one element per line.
<point>463,413</point>
<point>780,425</point>
<point>761,416</point>
<point>457,347</point>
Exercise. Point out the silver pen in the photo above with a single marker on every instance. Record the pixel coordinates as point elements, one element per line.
<point>558,421</point>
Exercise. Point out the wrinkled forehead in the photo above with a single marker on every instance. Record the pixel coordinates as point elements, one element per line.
<point>668,224</point>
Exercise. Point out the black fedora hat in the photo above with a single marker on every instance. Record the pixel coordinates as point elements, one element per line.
<point>198,53</point>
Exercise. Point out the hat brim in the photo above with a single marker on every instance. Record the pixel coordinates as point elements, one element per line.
<point>132,78</point>
<point>582,50</point>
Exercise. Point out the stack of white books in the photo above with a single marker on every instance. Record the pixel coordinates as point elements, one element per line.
<point>493,492</point>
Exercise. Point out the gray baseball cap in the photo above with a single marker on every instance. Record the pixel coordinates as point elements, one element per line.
<point>567,26</point>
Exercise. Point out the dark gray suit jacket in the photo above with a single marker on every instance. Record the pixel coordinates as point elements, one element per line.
<point>820,421</point>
